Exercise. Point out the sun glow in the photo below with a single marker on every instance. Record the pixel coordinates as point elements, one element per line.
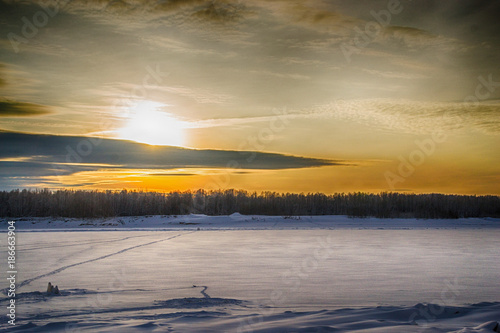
<point>148,124</point>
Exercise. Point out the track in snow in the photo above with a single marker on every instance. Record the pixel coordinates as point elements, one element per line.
<point>28,281</point>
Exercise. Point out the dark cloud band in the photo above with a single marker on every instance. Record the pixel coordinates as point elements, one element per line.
<point>58,155</point>
<point>20,109</point>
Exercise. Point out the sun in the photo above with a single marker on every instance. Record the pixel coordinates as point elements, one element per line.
<point>147,123</point>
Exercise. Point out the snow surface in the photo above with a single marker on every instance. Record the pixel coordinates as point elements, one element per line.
<point>244,222</point>
<point>256,274</point>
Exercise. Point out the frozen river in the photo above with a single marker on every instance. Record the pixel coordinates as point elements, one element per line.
<point>258,280</point>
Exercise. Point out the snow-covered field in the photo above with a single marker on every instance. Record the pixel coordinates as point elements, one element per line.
<point>245,222</point>
<point>255,274</point>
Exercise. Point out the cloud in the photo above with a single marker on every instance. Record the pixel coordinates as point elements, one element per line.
<point>396,75</point>
<point>292,76</point>
<point>3,82</point>
<point>208,10</point>
<point>407,116</point>
<point>20,109</point>
<point>227,122</point>
<point>199,95</point>
<point>34,155</point>
<point>302,61</point>
<point>172,174</point>
<point>178,46</point>
<point>32,160</point>
<point>220,11</point>
<point>313,14</point>
<point>202,96</point>
<point>417,40</point>
<point>415,117</point>
<point>18,83</point>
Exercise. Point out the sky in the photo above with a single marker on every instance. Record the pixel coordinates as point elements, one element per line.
<point>288,96</point>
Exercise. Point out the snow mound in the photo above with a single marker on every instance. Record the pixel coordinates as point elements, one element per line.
<point>236,214</point>
<point>237,217</point>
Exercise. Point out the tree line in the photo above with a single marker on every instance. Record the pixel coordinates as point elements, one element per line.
<point>82,204</point>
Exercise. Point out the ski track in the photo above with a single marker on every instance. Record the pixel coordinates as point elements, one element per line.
<point>26,282</point>
<point>203,292</point>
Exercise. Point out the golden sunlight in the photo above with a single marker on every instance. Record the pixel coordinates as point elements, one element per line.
<point>147,123</point>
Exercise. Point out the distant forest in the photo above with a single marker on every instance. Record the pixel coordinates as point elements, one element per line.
<point>82,204</point>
